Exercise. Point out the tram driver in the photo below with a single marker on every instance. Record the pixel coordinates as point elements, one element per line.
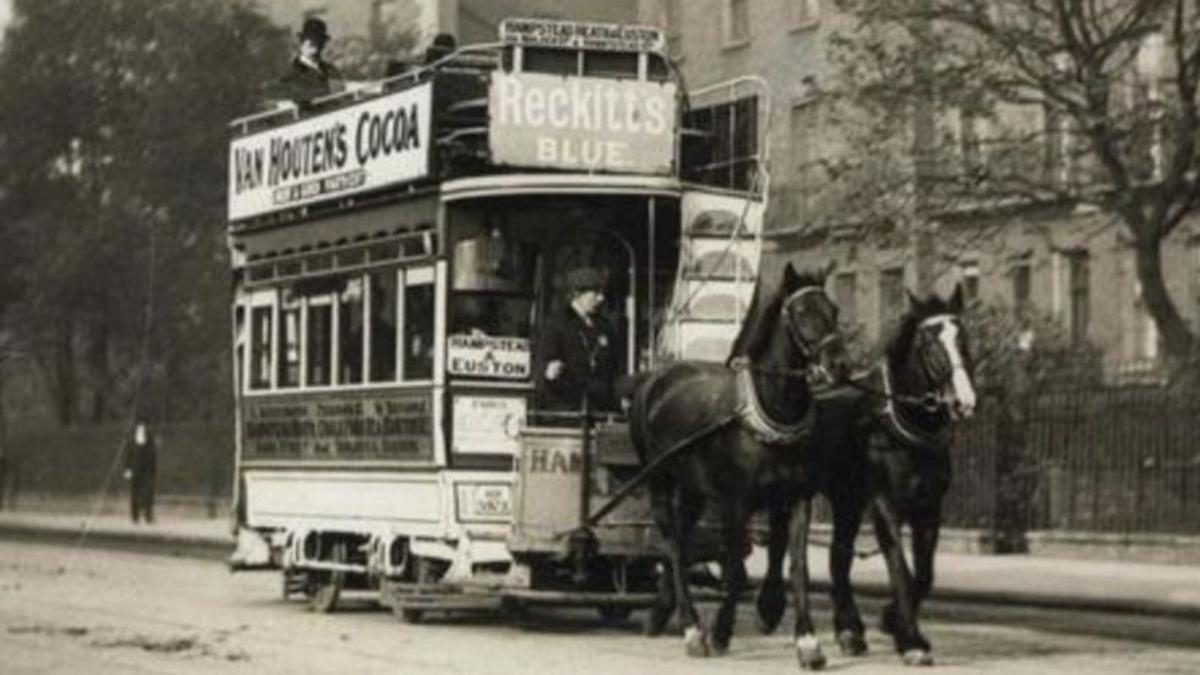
<point>577,350</point>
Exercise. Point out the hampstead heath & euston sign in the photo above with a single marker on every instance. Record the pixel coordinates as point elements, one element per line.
<point>381,142</point>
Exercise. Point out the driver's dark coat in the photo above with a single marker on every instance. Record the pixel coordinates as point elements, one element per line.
<point>589,361</point>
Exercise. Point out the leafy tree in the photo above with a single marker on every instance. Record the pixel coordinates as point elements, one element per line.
<point>113,171</point>
<point>952,105</point>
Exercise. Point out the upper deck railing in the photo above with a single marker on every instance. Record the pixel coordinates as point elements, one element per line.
<point>550,96</point>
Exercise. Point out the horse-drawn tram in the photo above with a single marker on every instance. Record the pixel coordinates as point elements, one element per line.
<point>397,252</point>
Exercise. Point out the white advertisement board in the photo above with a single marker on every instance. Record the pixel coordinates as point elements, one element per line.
<point>380,142</point>
<point>582,123</point>
<point>487,425</point>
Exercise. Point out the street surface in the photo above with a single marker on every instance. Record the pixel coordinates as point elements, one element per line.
<point>75,610</point>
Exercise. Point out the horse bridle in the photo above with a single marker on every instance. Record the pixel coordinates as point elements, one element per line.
<point>809,351</point>
<point>936,383</point>
<point>929,401</point>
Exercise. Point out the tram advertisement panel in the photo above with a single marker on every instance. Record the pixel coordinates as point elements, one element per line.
<point>383,141</point>
<point>383,426</point>
<point>582,123</point>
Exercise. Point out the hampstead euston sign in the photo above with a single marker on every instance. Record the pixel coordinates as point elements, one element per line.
<point>581,35</point>
<point>381,142</point>
<point>582,123</point>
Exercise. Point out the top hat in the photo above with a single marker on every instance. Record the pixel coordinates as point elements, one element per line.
<point>314,29</point>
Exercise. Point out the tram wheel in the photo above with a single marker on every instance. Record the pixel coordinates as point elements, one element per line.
<point>614,613</point>
<point>325,586</point>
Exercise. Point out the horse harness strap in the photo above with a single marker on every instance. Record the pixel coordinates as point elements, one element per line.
<point>756,420</point>
<point>896,426</point>
<point>653,466</point>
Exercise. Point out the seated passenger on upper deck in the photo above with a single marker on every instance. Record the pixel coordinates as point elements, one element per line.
<point>309,75</point>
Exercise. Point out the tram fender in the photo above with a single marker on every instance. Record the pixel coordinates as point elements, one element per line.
<point>251,552</point>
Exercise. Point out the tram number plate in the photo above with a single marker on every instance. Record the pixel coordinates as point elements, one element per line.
<point>488,501</point>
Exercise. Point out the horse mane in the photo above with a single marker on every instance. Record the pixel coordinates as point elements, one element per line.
<point>763,313</point>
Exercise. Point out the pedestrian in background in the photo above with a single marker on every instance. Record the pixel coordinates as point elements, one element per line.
<point>140,470</point>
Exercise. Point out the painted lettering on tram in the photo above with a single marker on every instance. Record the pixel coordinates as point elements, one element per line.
<point>581,123</point>
<point>554,460</point>
<point>382,141</point>
<point>364,427</point>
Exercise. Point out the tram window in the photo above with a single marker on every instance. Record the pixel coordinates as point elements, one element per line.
<point>553,61</point>
<point>260,348</point>
<point>319,341</point>
<point>350,332</point>
<point>611,64</point>
<point>492,314</point>
<point>383,326</point>
<point>657,69</point>
<point>418,328</point>
<point>289,339</point>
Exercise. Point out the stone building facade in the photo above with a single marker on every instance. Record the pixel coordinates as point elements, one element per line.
<point>1071,264</point>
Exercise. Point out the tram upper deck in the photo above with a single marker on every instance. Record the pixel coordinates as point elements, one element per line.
<point>550,97</point>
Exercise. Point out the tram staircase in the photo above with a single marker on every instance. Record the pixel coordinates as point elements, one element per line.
<point>718,265</point>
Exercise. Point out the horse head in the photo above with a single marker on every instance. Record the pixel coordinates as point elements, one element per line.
<point>812,322</point>
<point>938,353</point>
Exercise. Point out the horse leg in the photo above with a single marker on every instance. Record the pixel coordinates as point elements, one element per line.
<point>687,508</point>
<point>772,599</point>
<point>899,616</point>
<point>926,529</point>
<point>808,646</point>
<point>664,513</point>
<point>847,622</point>
<point>733,572</point>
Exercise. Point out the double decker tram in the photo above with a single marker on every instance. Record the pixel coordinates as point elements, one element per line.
<point>395,252</point>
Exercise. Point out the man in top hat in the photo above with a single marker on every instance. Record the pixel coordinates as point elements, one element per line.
<point>577,351</point>
<point>310,76</point>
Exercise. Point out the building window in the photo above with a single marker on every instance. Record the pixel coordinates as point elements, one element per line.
<point>737,22</point>
<point>1145,331</point>
<point>968,276</point>
<point>805,13</point>
<point>1078,288</point>
<point>845,294</point>
<point>891,297</point>
<point>806,134</point>
<point>1022,284</point>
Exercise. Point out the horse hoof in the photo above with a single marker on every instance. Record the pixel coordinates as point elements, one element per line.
<point>851,643</point>
<point>808,651</point>
<point>696,642</point>
<point>917,657</point>
<point>655,622</point>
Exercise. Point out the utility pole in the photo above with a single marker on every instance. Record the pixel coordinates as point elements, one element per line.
<point>922,226</point>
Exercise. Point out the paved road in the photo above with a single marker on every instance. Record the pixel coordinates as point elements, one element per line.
<point>71,610</point>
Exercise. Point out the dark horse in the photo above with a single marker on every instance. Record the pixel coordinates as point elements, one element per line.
<point>733,435</point>
<point>887,441</point>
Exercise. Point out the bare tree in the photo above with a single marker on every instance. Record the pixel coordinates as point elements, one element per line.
<point>1053,101</point>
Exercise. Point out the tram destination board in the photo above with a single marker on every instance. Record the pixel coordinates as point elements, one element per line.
<point>374,426</point>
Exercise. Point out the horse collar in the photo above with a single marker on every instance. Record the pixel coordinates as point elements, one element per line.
<point>906,435</point>
<point>756,420</point>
